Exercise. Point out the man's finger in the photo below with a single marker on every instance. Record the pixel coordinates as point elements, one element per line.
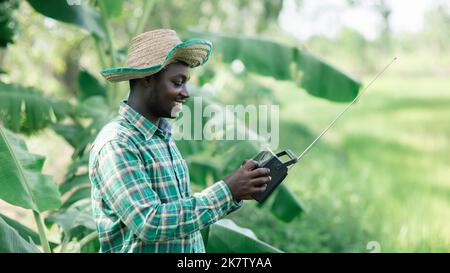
<point>260,189</point>
<point>259,172</point>
<point>250,164</point>
<point>260,181</point>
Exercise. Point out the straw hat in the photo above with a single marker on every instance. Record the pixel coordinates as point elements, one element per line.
<point>151,51</point>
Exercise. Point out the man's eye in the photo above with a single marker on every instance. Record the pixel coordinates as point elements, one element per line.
<point>178,84</point>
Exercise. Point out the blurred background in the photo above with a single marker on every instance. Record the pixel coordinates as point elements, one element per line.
<point>378,181</point>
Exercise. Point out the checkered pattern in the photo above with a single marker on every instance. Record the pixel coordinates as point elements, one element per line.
<point>141,195</point>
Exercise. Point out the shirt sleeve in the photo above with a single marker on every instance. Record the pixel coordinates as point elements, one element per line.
<point>127,189</point>
<point>235,205</point>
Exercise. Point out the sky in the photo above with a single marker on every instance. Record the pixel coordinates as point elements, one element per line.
<point>327,17</point>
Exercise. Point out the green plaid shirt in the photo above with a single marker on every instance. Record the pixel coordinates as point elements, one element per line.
<point>141,196</point>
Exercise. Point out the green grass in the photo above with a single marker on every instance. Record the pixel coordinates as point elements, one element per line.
<point>382,173</point>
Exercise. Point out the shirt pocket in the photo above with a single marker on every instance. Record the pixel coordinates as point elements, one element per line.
<point>163,180</point>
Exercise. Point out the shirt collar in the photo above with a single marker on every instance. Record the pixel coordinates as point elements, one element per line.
<point>143,125</point>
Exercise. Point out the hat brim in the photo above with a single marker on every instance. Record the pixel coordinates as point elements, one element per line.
<point>192,52</point>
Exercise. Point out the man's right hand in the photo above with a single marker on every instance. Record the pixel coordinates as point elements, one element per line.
<point>246,180</point>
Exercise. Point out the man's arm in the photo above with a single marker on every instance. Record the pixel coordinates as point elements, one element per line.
<point>127,189</point>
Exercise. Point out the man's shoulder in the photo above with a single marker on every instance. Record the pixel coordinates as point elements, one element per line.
<point>116,130</point>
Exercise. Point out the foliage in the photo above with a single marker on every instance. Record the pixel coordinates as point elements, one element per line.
<point>84,16</point>
<point>23,185</point>
<point>282,62</point>
<point>27,110</point>
<point>79,121</point>
<point>226,236</point>
<point>8,24</point>
<point>12,242</point>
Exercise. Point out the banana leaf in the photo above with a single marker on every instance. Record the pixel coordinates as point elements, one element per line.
<point>227,237</point>
<point>284,62</point>
<point>12,242</point>
<point>89,86</point>
<point>25,232</point>
<point>71,12</point>
<point>27,110</point>
<point>20,172</point>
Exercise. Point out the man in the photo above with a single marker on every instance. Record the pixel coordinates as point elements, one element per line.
<point>141,194</point>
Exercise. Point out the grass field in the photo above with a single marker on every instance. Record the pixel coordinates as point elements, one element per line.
<point>381,174</point>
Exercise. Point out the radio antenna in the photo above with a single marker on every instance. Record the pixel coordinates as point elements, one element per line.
<point>345,110</point>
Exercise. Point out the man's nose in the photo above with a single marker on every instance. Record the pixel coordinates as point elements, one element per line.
<point>184,92</point>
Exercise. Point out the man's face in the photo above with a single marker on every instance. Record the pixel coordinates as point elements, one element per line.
<point>168,91</point>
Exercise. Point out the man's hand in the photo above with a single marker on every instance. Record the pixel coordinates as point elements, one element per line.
<point>247,179</point>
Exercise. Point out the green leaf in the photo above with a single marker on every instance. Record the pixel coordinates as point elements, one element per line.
<point>227,237</point>
<point>8,23</point>
<point>323,80</point>
<point>283,62</point>
<point>24,231</point>
<point>12,242</point>
<point>22,183</point>
<point>77,163</point>
<point>198,173</point>
<point>286,206</point>
<point>75,181</point>
<point>92,246</point>
<point>78,214</point>
<point>205,235</point>
<point>27,110</point>
<point>68,11</point>
<point>79,194</point>
<point>113,8</point>
<point>99,113</point>
<point>72,133</point>
<point>89,86</point>
<point>96,108</point>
